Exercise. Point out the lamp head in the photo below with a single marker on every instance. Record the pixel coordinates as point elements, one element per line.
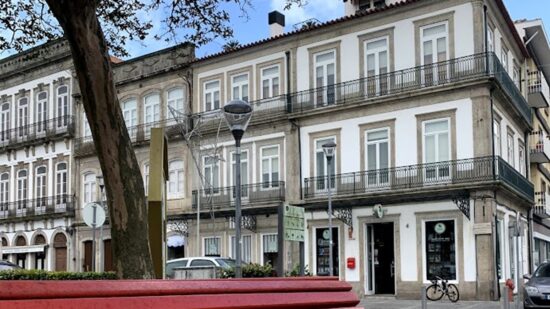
<point>237,115</point>
<point>328,149</point>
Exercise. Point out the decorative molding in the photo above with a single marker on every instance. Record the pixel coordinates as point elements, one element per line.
<point>463,203</point>
<point>344,214</point>
<point>179,226</point>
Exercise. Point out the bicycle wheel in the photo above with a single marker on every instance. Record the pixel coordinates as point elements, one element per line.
<point>434,292</point>
<point>452,293</point>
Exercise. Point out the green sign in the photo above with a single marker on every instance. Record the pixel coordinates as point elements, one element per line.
<point>294,223</point>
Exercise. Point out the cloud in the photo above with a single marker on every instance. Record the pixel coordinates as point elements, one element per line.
<point>322,10</point>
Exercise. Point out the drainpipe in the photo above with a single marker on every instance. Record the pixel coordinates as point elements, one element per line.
<point>288,97</point>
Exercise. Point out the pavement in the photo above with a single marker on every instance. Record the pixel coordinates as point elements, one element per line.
<point>376,302</point>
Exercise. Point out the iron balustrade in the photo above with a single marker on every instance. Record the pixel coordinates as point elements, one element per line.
<point>540,204</point>
<point>138,134</point>
<point>58,126</point>
<point>537,83</point>
<point>427,175</point>
<point>224,197</point>
<point>58,204</point>
<point>482,65</point>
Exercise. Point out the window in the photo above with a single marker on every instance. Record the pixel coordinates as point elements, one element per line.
<point>434,49</point>
<point>270,166</point>
<point>212,173</point>
<point>437,148</point>
<point>202,263</point>
<point>87,132</point>
<point>211,246</point>
<point>440,249</point>
<point>89,188</point>
<point>175,182</point>
<point>516,76</point>
<point>325,77</point>
<point>129,112</point>
<point>521,154</point>
<point>490,40</point>
<point>244,172</point>
<point>269,248</point>
<point>152,108</point>
<point>23,116</point>
<point>4,191</point>
<point>176,99</point>
<point>504,58</point>
<point>211,95</point>
<point>496,129</point>
<point>146,178</point>
<point>40,185</point>
<point>246,248</point>
<point>5,122</point>
<point>321,164</point>
<point>377,157</point>
<point>22,189</point>
<point>239,87</point>
<point>510,146</point>
<point>270,82</point>
<point>61,183</point>
<point>62,106</point>
<point>376,64</point>
<point>41,111</point>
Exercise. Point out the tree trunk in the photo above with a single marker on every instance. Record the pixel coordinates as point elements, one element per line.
<point>123,181</point>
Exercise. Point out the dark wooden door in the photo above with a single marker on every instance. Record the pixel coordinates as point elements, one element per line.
<point>108,256</point>
<point>87,256</point>
<point>61,259</point>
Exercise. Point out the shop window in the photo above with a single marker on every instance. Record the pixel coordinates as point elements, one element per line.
<point>270,252</point>
<point>440,250</point>
<point>322,237</point>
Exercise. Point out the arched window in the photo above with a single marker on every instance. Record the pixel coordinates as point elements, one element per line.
<point>4,122</point>
<point>89,188</point>
<point>62,105</point>
<point>176,99</point>
<point>22,190</point>
<point>146,178</point>
<point>61,184</point>
<point>152,108</point>
<point>41,111</point>
<point>175,182</point>
<point>4,193</point>
<point>23,116</point>
<point>129,111</point>
<point>40,186</point>
<point>40,257</point>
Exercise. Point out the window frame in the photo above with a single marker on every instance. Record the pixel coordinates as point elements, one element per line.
<point>270,166</point>
<point>424,247</point>
<point>92,185</point>
<point>449,128</point>
<point>177,194</point>
<point>170,101</point>
<point>270,79</point>
<point>219,242</point>
<point>240,86</point>
<point>212,93</point>
<point>433,39</point>
<point>325,161</point>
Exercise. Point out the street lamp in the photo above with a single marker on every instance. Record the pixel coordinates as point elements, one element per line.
<point>101,184</point>
<point>237,115</point>
<point>328,149</point>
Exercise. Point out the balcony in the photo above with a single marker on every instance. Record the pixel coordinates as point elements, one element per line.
<point>447,175</point>
<point>539,147</point>
<point>37,132</point>
<point>51,206</point>
<point>252,196</point>
<point>539,92</point>
<point>140,134</point>
<point>542,205</point>
<point>431,76</point>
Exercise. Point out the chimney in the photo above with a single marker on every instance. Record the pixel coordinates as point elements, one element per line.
<point>276,23</point>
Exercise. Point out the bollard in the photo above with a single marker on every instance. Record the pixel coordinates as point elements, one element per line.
<point>506,300</point>
<point>424,301</point>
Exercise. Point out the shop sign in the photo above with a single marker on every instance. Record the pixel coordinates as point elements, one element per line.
<point>22,249</point>
<point>294,223</point>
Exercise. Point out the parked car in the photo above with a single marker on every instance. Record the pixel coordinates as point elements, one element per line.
<point>7,265</point>
<point>536,292</point>
<point>197,262</point>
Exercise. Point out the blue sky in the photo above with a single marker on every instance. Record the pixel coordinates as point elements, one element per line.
<point>255,27</point>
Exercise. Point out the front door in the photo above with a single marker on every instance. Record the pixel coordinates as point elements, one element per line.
<point>380,261</point>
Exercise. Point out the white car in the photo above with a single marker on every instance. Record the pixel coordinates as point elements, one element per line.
<point>205,261</point>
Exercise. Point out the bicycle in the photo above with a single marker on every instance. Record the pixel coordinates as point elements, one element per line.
<point>440,287</point>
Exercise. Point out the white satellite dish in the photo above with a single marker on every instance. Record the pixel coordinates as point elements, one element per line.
<point>93,215</point>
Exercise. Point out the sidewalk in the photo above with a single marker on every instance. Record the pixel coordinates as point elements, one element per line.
<point>374,302</point>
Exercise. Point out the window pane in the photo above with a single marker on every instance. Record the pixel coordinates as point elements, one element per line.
<point>428,58</point>
<point>377,44</point>
<point>212,85</point>
<point>240,78</point>
<point>437,126</point>
<point>271,151</point>
<point>325,57</point>
<point>443,144</point>
<point>384,156</point>
<point>430,148</point>
<point>440,250</point>
<point>377,135</point>
<point>320,164</point>
<point>270,71</point>
<point>440,29</point>
<point>371,157</point>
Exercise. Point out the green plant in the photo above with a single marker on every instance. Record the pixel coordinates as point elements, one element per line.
<point>250,271</point>
<point>25,274</point>
<point>295,272</point>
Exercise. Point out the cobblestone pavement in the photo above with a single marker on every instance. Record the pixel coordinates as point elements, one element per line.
<point>371,302</point>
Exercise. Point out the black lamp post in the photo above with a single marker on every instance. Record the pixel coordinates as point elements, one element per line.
<point>237,114</point>
<point>329,149</point>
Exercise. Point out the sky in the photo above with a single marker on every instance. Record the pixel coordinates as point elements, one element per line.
<point>255,26</point>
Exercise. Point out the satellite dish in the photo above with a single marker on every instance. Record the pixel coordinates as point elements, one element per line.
<point>88,215</point>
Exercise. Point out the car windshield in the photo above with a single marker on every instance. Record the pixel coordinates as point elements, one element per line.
<point>542,271</point>
<point>226,262</point>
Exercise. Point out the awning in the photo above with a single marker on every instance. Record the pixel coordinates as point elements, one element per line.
<point>175,241</point>
<point>22,249</point>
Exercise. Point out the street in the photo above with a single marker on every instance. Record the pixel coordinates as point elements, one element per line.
<point>391,303</point>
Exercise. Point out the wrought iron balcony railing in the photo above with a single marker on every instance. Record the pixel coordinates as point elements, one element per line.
<point>59,126</point>
<point>539,147</point>
<point>482,65</point>
<point>138,134</point>
<point>251,194</point>
<point>428,175</point>
<point>59,204</point>
<point>539,91</point>
<point>542,204</point>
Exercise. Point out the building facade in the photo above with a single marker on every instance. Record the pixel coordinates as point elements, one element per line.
<point>36,130</point>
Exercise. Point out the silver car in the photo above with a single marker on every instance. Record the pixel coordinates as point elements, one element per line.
<point>536,293</point>
<point>7,265</point>
<point>197,262</point>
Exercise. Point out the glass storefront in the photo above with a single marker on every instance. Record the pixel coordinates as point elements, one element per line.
<point>322,253</point>
<point>440,249</point>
